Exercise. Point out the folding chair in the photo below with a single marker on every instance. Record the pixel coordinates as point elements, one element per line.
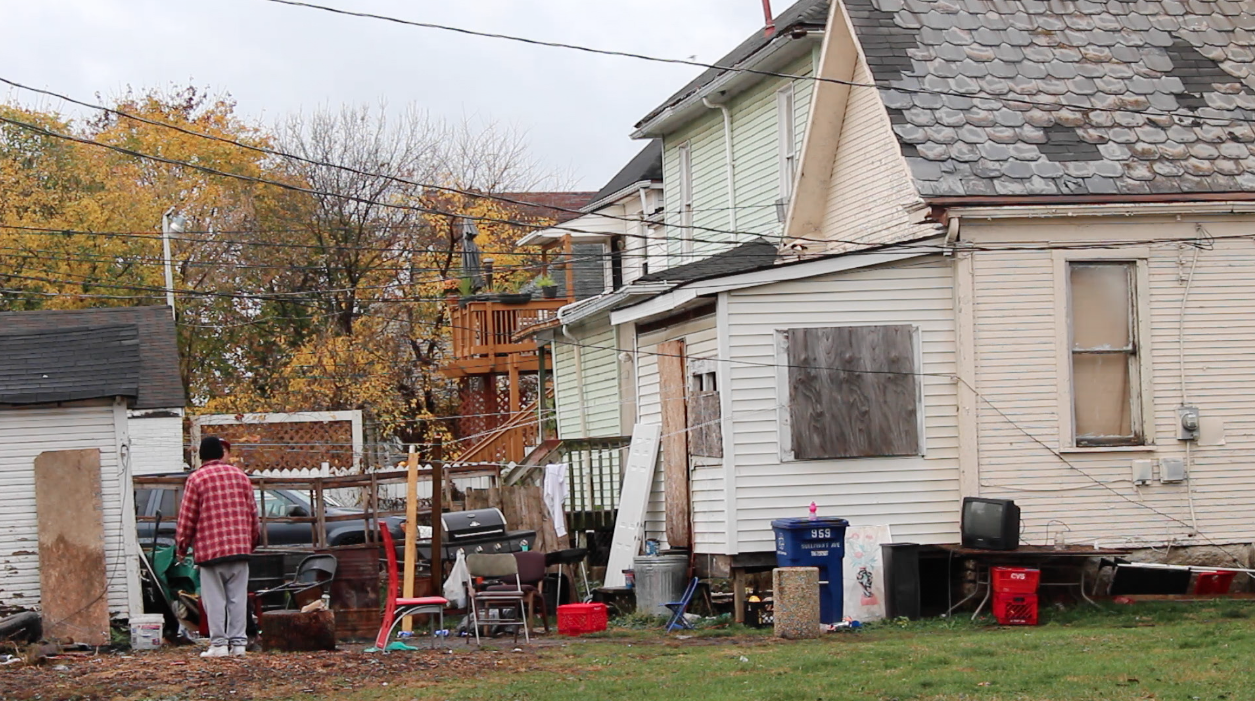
<point>506,598</point>
<point>531,576</point>
<point>397,608</point>
<point>678,622</point>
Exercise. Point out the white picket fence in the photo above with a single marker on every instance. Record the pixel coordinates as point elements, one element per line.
<point>356,496</point>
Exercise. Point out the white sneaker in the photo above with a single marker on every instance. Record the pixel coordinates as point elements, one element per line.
<point>238,650</point>
<point>215,651</point>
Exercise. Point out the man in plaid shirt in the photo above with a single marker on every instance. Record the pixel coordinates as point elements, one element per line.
<point>218,523</point>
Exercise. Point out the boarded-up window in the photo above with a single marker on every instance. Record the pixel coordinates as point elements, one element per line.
<point>853,392</point>
<point>705,434</point>
<point>1105,409</point>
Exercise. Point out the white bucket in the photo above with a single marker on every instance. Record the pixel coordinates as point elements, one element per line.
<point>146,631</point>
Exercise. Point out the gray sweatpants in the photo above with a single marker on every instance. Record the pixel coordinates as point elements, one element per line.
<point>224,593</point>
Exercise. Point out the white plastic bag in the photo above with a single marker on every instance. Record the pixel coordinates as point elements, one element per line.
<point>455,585</point>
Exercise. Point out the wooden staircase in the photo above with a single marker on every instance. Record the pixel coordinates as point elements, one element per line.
<point>508,442</point>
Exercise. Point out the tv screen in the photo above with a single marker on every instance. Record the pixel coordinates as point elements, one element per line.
<point>991,524</point>
<point>984,520</point>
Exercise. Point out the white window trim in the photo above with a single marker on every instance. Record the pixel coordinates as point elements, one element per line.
<point>784,417</point>
<point>786,140</point>
<point>684,156</point>
<point>1139,256</point>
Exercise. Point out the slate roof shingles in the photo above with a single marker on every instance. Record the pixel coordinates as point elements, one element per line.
<point>1032,84</point>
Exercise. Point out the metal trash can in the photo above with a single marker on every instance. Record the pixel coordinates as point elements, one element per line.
<point>659,580</point>
<point>820,542</point>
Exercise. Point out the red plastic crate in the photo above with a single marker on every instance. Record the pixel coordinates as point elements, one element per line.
<point>578,619</point>
<point>1015,580</point>
<point>1015,609</point>
<point>1213,583</point>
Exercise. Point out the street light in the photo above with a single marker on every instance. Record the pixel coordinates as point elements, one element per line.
<point>170,223</point>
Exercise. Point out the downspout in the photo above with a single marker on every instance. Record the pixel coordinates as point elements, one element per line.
<point>730,164</point>
<point>579,379</point>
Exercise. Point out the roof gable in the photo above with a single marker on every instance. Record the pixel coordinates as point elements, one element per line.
<point>160,385</point>
<point>1024,97</point>
<point>69,365</point>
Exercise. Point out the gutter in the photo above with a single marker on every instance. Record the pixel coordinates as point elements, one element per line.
<point>585,308</point>
<point>614,197</point>
<point>729,162</point>
<point>1127,209</point>
<point>651,126</point>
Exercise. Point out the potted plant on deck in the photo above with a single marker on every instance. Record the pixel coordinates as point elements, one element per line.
<point>548,288</point>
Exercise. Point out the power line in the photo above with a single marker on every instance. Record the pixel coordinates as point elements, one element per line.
<point>356,171</point>
<point>754,71</point>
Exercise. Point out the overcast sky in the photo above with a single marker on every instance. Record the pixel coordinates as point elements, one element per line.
<point>577,108</point>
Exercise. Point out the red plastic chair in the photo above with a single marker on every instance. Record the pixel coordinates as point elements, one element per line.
<point>397,608</point>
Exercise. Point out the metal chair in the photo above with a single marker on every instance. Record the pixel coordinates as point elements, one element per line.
<point>531,575</point>
<point>678,621</point>
<point>397,608</point>
<point>505,597</point>
<point>314,572</point>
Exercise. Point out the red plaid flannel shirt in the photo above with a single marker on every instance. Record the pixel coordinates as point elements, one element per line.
<point>218,514</point>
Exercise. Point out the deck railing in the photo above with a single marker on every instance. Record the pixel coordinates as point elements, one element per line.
<point>485,328</point>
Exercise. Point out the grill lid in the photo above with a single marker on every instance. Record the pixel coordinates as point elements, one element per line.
<point>462,526</point>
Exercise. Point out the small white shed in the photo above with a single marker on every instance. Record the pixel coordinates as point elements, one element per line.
<point>81,380</point>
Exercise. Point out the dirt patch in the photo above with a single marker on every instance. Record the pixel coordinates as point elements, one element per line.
<point>180,674</point>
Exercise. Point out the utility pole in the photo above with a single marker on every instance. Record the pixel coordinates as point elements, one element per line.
<point>170,223</point>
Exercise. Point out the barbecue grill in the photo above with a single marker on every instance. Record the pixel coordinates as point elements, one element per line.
<point>478,531</point>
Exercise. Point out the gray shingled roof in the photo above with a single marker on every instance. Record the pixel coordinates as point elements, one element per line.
<point>759,253</point>
<point>1116,98</point>
<point>646,165</point>
<point>805,13</point>
<point>69,365</point>
<point>160,383</point>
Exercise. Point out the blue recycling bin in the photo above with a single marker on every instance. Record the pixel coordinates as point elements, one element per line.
<point>819,542</point>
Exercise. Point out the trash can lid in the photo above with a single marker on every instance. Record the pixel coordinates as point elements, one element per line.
<point>806,522</point>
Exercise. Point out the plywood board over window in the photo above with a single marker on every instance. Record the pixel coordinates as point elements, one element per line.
<point>1106,410</point>
<point>675,442</point>
<point>853,392</point>
<point>705,433</point>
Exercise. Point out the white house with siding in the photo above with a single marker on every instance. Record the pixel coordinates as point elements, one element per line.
<point>102,380</point>
<point>1030,243</point>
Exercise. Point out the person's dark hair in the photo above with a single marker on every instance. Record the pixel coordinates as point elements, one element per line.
<point>213,448</point>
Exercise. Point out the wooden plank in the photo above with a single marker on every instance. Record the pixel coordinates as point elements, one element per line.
<point>853,392</point>
<point>437,517</point>
<point>73,581</point>
<point>675,459</point>
<point>411,531</point>
<point>638,481</point>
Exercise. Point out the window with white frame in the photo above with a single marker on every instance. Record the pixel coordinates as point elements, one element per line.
<point>684,154</point>
<point>1104,353</point>
<point>787,137</point>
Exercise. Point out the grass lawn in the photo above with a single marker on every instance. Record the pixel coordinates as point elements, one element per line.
<point>1145,651</point>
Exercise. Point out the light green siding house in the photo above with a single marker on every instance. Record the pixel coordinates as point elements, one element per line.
<point>738,127</point>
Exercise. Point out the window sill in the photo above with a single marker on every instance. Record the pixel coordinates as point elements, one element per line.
<point>1072,450</point>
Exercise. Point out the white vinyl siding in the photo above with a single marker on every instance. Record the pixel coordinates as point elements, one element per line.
<point>706,478</point>
<point>24,434</point>
<point>590,410</point>
<point>1017,339</point>
<point>917,496</point>
<point>871,195</point>
<point>156,444</point>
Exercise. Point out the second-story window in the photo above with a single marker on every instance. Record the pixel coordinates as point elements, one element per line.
<point>685,156</point>
<point>787,145</point>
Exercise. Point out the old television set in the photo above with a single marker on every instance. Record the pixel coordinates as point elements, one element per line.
<point>990,524</point>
